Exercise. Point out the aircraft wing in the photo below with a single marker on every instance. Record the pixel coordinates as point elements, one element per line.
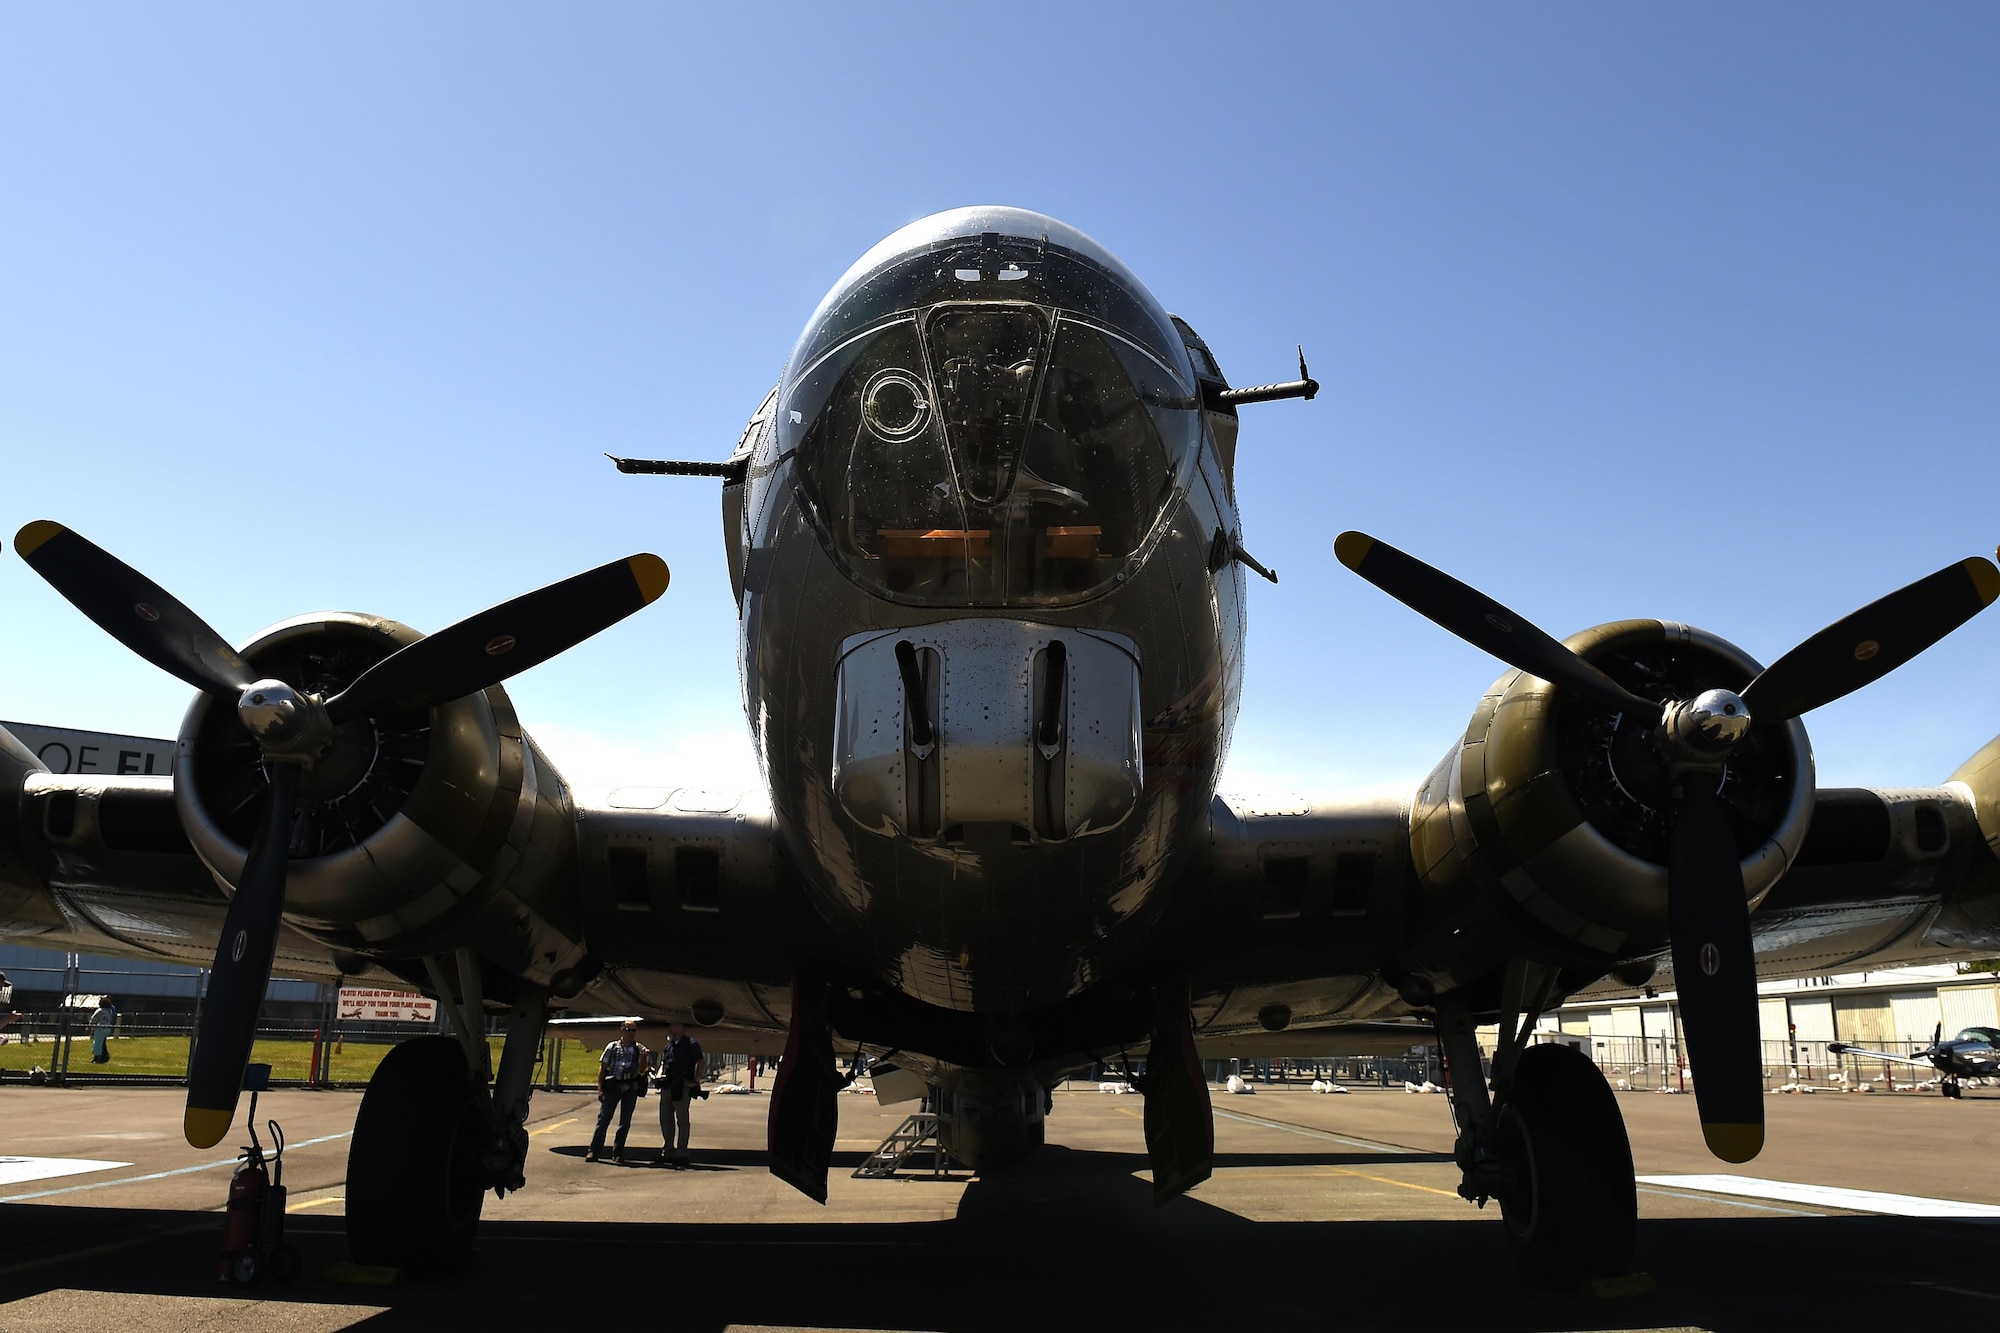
<point>1323,912</point>
<point>97,862</point>
<point>1308,927</point>
<point>1842,1048</point>
<point>681,894</point>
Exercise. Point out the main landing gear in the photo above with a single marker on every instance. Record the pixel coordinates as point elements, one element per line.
<point>1180,1128</point>
<point>415,1181</point>
<point>433,1135</point>
<point>1549,1144</point>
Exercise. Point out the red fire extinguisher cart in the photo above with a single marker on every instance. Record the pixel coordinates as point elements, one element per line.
<point>253,1229</point>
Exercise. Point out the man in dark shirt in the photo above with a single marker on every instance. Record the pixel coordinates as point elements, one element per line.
<point>681,1072</point>
<point>621,1081</point>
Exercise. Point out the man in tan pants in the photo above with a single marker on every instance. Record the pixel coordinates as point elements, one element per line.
<point>682,1069</point>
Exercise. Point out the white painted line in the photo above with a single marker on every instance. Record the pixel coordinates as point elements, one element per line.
<point>1728,1203</point>
<point>1311,1133</point>
<point>162,1175</point>
<point>18,1170</point>
<point>1828,1196</point>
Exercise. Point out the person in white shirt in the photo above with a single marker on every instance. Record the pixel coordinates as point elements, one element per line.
<point>621,1082</point>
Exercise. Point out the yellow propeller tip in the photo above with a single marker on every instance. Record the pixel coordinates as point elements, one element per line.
<point>1984,577</point>
<point>204,1127</point>
<point>1733,1143</point>
<point>650,573</point>
<point>1352,548</point>
<point>30,538</point>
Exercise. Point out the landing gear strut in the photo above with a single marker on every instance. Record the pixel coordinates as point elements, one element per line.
<point>1549,1143</point>
<point>805,1096</point>
<point>433,1135</point>
<point>1180,1126</point>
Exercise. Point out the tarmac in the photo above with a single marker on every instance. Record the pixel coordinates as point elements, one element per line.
<point>1324,1212</point>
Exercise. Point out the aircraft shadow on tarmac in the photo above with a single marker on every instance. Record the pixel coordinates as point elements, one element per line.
<point>1032,1248</point>
<point>1101,1163</point>
<point>650,1157</point>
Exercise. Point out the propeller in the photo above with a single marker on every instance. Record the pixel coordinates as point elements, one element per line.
<point>1708,916</point>
<point>293,730</point>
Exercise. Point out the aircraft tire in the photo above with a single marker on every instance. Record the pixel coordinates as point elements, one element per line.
<point>415,1184</point>
<point>1571,1207</point>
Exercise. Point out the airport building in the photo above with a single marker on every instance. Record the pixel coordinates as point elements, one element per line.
<point>1894,1011</point>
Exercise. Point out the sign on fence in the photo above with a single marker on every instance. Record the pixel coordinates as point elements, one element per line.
<point>386,1006</point>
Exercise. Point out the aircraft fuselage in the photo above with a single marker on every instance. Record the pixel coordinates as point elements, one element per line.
<point>950,479</point>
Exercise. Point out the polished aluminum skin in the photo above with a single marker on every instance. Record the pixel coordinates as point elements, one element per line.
<point>1716,719</point>
<point>989,439</point>
<point>1036,727</point>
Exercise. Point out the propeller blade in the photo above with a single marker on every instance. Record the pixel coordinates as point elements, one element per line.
<point>1481,621</point>
<point>241,971</point>
<point>1872,642</point>
<point>487,648</point>
<point>133,609</point>
<point>1715,972</point>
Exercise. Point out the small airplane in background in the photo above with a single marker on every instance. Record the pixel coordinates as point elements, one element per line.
<point>1973,1053</point>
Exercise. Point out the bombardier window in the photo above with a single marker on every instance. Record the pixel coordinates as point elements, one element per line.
<point>990,420</point>
<point>992,455</point>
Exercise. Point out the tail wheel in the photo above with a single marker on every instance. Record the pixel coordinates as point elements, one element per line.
<point>1570,1206</point>
<point>415,1184</point>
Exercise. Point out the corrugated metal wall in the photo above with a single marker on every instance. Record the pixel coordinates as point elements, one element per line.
<point>1968,1006</point>
<point>1917,1014</point>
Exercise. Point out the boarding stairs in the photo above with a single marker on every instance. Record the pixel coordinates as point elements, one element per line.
<point>909,1150</point>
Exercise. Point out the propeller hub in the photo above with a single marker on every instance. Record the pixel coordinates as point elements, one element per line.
<point>1718,718</point>
<point>1699,733</point>
<point>288,725</point>
<point>272,710</point>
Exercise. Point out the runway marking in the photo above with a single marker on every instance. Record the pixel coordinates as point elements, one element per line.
<point>1323,1134</point>
<point>1384,1180</point>
<point>315,1203</point>
<point>21,1170</point>
<point>550,1129</point>
<point>1731,1203</point>
<point>162,1175</point>
<point>1829,1196</point>
<point>1309,1133</point>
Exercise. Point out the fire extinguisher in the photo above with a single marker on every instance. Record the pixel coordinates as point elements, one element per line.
<point>253,1227</point>
<point>243,1220</point>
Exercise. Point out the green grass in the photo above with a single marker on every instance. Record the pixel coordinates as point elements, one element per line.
<point>289,1058</point>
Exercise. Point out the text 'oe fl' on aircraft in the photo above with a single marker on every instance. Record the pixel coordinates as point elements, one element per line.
<point>990,572</point>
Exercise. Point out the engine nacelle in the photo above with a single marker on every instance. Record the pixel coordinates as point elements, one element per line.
<point>424,831</point>
<point>1550,813</point>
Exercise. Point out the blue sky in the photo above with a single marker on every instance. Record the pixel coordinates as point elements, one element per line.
<point>1687,311</point>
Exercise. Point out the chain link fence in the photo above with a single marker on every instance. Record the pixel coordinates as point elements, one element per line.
<point>56,1047</point>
